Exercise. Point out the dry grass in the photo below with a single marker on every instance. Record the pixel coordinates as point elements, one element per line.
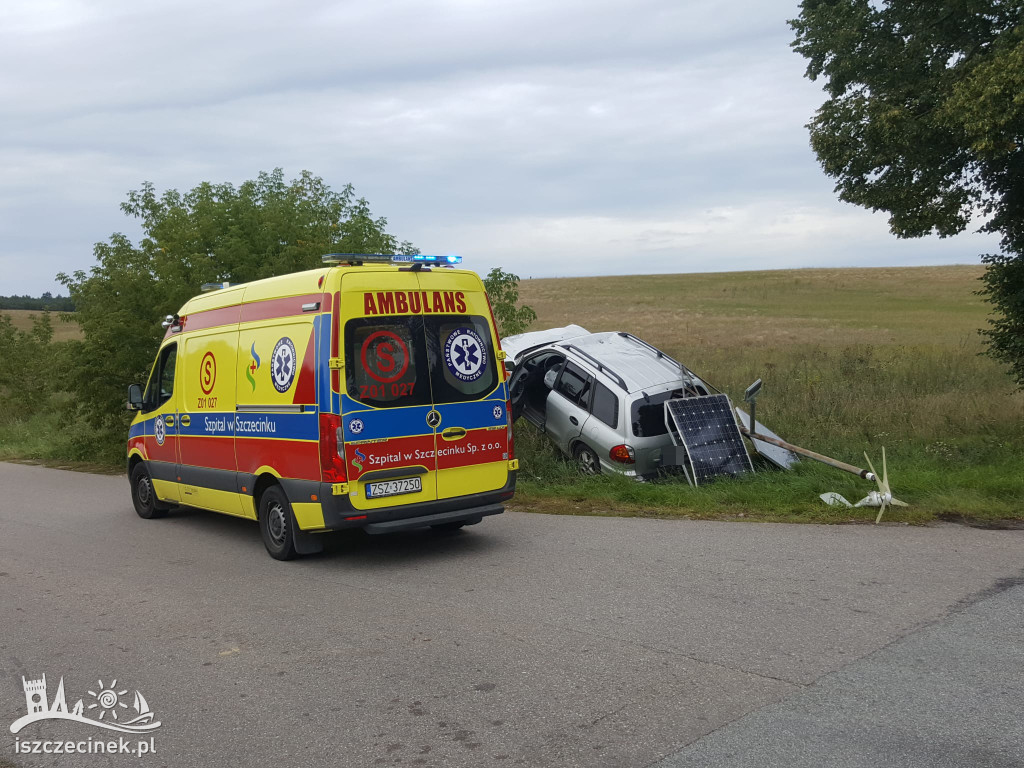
<point>62,331</point>
<point>833,307</point>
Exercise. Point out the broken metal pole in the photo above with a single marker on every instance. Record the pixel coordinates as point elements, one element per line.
<point>862,473</point>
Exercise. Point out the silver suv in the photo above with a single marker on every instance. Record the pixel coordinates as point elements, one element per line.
<point>599,396</point>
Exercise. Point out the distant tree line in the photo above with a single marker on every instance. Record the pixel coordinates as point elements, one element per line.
<point>47,301</point>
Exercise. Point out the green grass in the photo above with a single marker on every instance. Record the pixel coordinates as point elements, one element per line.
<point>852,360</point>
<point>52,436</point>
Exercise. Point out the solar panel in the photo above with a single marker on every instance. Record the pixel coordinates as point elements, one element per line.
<point>708,430</point>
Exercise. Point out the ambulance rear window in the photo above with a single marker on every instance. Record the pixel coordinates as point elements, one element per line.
<point>462,363</point>
<point>386,365</point>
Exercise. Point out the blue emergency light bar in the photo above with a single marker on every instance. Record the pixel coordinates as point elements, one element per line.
<point>389,258</point>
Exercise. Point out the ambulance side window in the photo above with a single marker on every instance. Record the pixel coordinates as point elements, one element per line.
<point>161,381</point>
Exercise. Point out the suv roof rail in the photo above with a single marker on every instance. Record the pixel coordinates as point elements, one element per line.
<point>599,365</point>
<point>662,356</point>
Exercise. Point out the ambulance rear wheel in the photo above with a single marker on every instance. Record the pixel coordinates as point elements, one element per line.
<point>276,524</point>
<point>143,496</point>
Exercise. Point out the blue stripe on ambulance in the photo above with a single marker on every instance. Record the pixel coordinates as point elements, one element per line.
<point>283,426</point>
<point>383,423</point>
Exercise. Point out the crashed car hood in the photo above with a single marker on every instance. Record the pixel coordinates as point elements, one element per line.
<point>514,346</point>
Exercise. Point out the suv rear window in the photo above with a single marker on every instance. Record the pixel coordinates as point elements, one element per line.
<point>399,361</point>
<point>648,416</point>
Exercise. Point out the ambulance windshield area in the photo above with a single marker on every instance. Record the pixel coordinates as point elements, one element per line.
<point>401,361</point>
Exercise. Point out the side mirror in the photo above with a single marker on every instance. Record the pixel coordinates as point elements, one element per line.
<point>134,397</point>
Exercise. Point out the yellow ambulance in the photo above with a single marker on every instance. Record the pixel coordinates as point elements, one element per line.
<point>367,394</point>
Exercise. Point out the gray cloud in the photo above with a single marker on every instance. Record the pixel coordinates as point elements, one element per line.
<point>568,138</point>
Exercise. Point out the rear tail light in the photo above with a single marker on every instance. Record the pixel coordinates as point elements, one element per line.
<point>622,454</point>
<point>332,449</point>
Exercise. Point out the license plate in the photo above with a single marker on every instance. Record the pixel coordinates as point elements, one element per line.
<point>394,487</point>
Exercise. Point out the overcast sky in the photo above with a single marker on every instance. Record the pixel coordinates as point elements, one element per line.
<point>564,137</point>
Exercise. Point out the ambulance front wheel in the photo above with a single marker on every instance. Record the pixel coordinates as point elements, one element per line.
<point>276,524</point>
<point>143,496</point>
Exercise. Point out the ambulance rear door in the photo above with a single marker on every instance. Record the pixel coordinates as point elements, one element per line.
<point>387,414</point>
<point>467,384</point>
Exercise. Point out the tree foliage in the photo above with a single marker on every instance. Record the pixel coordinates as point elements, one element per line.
<point>212,233</point>
<point>503,292</point>
<point>925,121</point>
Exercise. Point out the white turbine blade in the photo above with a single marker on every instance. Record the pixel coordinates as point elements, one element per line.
<point>885,473</point>
<point>880,511</point>
<point>897,503</point>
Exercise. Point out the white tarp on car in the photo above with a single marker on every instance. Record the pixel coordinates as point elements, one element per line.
<point>515,345</point>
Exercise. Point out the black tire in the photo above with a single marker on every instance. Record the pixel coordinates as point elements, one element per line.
<point>587,461</point>
<point>147,506</point>
<point>277,524</point>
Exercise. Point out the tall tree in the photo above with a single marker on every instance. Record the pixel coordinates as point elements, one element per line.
<point>925,121</point>
<point>212,233</point>
<point>503,293</point>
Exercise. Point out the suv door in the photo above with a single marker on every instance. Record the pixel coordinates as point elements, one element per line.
<point>528,389</point>
<point>568,406</point>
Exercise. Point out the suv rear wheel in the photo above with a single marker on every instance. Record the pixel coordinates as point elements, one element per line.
<point>586,460</point>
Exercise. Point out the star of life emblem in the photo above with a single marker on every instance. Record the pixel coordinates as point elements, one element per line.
<point>283,364</point>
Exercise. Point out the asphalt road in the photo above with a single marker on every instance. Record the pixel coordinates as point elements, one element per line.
<point>527,640</point>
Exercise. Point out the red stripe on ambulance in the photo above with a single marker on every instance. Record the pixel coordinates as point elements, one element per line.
<point>479,446</point>
<point>388,454</point>
<point>299,459</point>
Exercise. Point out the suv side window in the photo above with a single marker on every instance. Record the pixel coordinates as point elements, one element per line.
<point>606,405</point>
<point>161,381</point>
<point>574,385</point>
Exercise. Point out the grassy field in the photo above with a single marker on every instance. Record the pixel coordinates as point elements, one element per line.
<point>852,360</point>
<point>22,319</point>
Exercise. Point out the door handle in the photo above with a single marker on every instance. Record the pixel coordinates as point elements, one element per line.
<point>574,420</point>
<point>169,421</point>
<point>185,420</point>
<point>453,433</point>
